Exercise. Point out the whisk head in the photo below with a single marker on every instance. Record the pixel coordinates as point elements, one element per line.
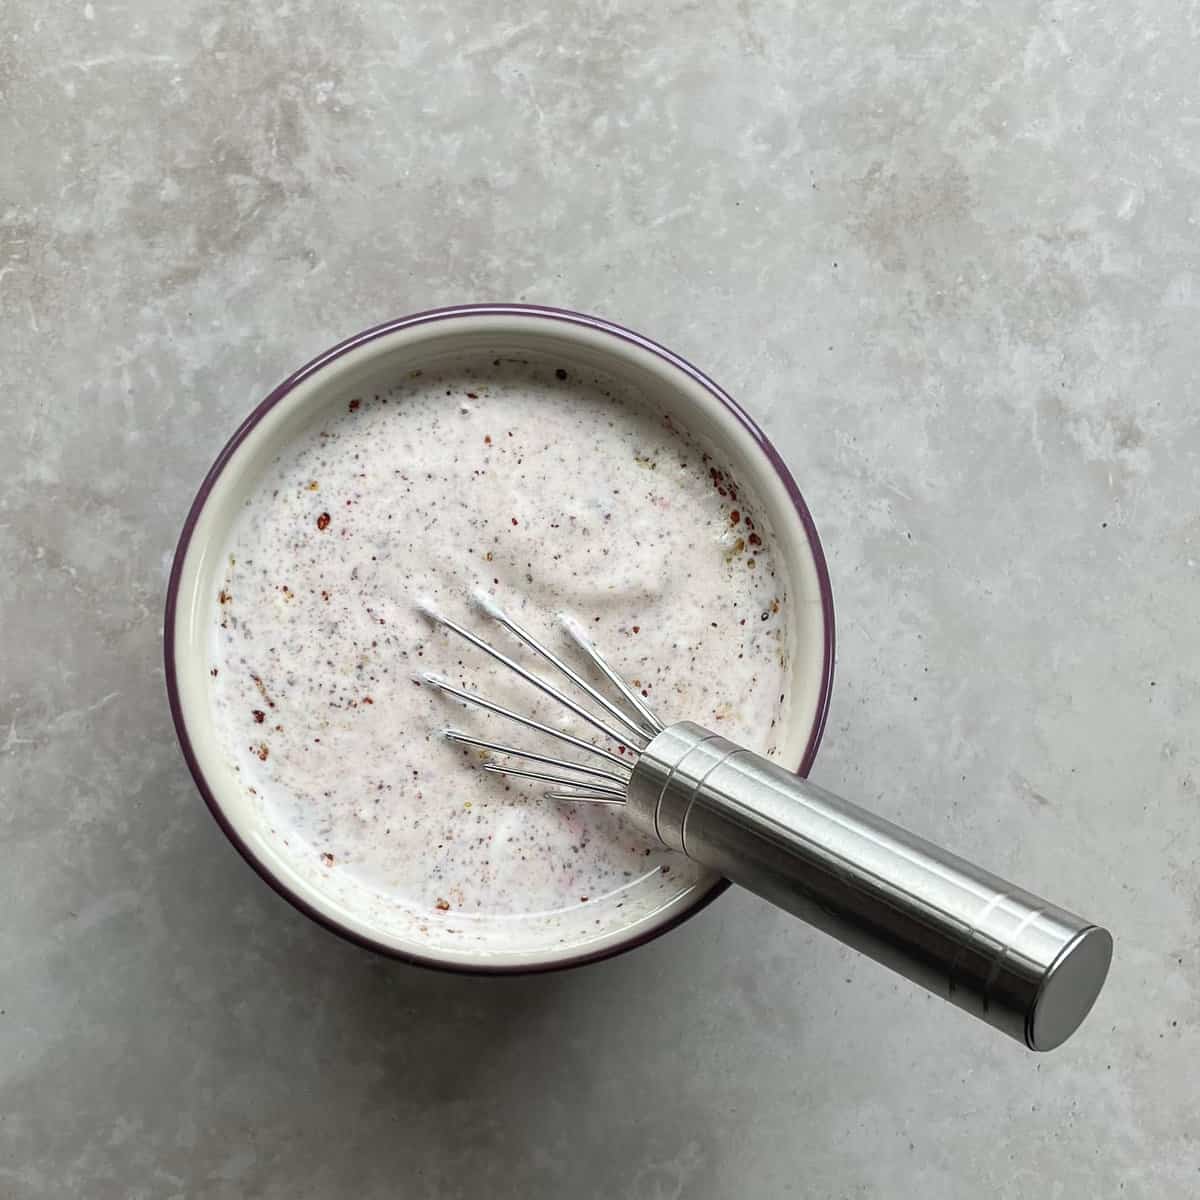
<point>630,727</point>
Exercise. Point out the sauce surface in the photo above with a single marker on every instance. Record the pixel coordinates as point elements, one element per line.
<point>553,492</point>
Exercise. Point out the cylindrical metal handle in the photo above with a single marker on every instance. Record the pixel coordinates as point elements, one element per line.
<point>1029,968</point>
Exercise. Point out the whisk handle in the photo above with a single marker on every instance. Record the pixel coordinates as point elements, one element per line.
<point>1023,965</point>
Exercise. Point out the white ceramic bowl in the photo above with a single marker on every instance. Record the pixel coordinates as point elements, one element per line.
<point>374,360</point>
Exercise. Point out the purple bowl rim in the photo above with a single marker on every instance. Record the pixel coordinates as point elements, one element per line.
<point>428,316</point>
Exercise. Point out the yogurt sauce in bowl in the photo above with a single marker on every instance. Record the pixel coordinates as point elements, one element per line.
<point>555,489</point>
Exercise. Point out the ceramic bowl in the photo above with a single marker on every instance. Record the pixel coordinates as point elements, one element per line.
<point>373,360</point>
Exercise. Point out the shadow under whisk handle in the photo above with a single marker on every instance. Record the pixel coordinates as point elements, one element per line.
<point>1021,964</point>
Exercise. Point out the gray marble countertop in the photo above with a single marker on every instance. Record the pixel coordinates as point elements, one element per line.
<point>948,255</point>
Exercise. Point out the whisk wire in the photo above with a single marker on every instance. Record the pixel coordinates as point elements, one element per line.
<point>464,739</point>
<point>469,697</point>
<point>581,639</point>
<point>615,793</point>
<point>494,611</point>
<point>590,797</point>
<point>547,689</point>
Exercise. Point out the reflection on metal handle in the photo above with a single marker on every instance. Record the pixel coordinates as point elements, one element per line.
<point>1029,968</point>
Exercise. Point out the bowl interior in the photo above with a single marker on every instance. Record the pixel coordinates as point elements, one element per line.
<point>375,362</point>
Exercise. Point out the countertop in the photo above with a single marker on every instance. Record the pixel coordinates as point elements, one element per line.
<point>947,255</point>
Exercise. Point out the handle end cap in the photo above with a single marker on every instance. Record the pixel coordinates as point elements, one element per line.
<point>1069,989</point>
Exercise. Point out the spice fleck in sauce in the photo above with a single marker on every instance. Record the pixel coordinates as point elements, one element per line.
<point>554,492</point>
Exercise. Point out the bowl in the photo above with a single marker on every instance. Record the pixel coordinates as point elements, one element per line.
<point>374,359</point>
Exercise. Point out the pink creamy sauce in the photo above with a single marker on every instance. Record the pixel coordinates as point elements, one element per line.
<point>554,493</point>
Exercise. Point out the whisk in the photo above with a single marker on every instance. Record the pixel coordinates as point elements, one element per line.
<point>1025,966</point>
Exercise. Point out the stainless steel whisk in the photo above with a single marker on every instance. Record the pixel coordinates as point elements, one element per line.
<point>1023,965</point>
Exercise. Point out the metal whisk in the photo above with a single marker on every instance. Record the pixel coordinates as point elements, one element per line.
<point>1025,966</point>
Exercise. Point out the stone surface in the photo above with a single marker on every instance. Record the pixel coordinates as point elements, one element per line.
<point>947,254</point>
